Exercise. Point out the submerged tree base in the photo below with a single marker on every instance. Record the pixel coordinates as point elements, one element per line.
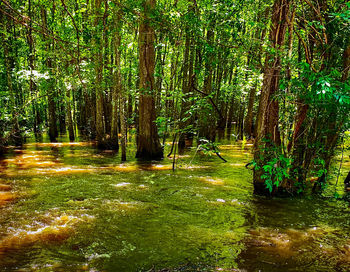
<point>146,155</point>
<point>108,144</point>
<point>261,189</point>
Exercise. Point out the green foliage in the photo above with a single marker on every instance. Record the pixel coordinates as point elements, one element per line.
<point>162,124</point>
<point>276,171</point>
<point>207,147</point>
<point>274,166</point>
<point>320,89</point>
<point>320,167</point>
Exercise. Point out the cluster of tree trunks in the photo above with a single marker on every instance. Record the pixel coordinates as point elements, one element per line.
<point>267,131</point>
<point>189,78</point>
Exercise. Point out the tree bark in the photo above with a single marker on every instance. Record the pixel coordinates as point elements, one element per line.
<point>185,105</point>
<point>117,88</point>
<point>69,117</point>
<point>31,63</point>
<point>98,61</point>
<point>16,137</point>
<point>268,134</point>
<point>248,122</point>
<point>207,122</point>
<point>123,125</point>
<point>148,145</point>
<point>53,131</point>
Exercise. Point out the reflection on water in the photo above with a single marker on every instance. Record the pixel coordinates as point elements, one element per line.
<point>213,181</point>
<point>6,197</point>
<point>68,207</point>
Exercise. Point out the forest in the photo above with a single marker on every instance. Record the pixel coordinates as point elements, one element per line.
<point>174,135</point>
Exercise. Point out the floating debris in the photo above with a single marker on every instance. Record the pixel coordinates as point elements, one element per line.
<point>122,184</point>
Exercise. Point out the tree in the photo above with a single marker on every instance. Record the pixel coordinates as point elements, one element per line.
<point>148,145</point>
<point>98,61</point>
<point>268,139</point>
<point>51,88</point>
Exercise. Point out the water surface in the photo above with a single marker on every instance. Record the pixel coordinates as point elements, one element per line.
<point>68,207</point>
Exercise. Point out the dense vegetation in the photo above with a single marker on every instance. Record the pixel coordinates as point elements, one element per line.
<point>273,71</point>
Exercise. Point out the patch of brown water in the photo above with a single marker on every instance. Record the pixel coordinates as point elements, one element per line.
<point>58,144</point>
<point>46,229</point>
<point>5,187</point>
<point>6,198</point>
<point>286,243</point>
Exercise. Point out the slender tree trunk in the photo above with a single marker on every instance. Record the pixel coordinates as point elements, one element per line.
<point>248,123</point>
<point>207,127</point>
<point>185,90</point>
<point>160,55</point>
<point>130,98</point>
<point>53,131</point>
<point>123,124</point>
<point>16,137</point>
<point>98,61</point>
<point>148,145</point>
<point>221,124</point>
<point>69,117</point>
<point>31,63</point>
<point>62,113</point>
<point>117,89</point>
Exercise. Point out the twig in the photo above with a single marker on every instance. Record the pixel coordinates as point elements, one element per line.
<point>208,96</point>
<point>172,146</point>
<point>217,154</point>
<point>174,158</point>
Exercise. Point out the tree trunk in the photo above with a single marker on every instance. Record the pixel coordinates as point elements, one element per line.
<point>69,117</point>
<point>248,123</point>
<point>53,131</point>
<point>148,145</point>
<point>117,88</point>
<point>32,84</point>
<point>207,123</point>
<point>268,135</point>
<point>185,135</point>
<point>123,124</point>
<point>98,61</point>
<point>221,124</point>
<point>130,98</point>
<point>15,136</point>
<point>61,113</point>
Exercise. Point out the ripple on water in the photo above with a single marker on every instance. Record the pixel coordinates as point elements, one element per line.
<point>291,242</point>
<point>46,230</point>
<point>211,180</point>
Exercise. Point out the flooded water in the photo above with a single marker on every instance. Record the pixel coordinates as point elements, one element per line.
<point>67,207</point>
